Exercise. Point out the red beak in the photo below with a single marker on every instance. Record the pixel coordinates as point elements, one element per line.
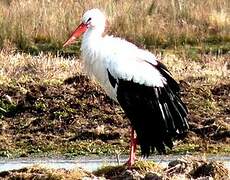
<point>78,31</point>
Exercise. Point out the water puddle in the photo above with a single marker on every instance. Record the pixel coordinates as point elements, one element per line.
<point>87,163</point>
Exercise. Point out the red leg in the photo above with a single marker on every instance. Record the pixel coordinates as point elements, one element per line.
<point>133,144</point>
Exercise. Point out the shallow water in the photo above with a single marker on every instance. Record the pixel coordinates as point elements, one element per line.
<point>87,163</point>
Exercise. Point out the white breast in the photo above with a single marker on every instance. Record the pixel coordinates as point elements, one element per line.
<point>123,60</point>
<point>94,55</point>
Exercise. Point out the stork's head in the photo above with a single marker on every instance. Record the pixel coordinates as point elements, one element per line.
<point>93,20</point>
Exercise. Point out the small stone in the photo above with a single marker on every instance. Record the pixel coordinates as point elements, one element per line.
<point>152,176</point>
<point>129,175</point>
<point>177,166</point>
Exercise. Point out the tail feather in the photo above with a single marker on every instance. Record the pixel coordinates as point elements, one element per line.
<point>168,142</point>
<point>160,148</point>
<point>174,111</point>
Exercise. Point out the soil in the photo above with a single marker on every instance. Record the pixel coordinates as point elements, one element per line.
<point>77,118</point>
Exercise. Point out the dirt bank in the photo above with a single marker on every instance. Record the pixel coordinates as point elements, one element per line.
<point>77,118</point>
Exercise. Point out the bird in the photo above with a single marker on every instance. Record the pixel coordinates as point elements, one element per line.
<point>137,81</point>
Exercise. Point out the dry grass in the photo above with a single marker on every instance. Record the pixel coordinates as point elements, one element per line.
<point>41,173</point>
<point>213,69</point>
<point>23,67</point>
<point>150,23</point>
<point>18,67</point>
<point>187,167</point>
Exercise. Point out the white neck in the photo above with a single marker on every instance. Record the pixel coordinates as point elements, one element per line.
<point>93,54</point>
<point>91,35</point>
<point>91,44</point>
<point>91,48</point>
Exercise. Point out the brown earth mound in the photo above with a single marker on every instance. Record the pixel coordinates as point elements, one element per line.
<point>77,118</point>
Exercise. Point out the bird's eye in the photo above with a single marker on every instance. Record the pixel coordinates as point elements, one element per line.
<point>89,19</point>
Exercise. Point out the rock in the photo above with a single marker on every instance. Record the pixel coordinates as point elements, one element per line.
<point>214,170</point>
<point>224,134</point>
<point>177,166</point>
<point>129,175</point>
<point>152,176</point>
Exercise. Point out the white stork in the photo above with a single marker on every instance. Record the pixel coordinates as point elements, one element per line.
<point>135,79</point>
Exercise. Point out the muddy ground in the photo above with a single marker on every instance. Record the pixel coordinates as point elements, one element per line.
<point>185,168</point>
<point>77,118</point>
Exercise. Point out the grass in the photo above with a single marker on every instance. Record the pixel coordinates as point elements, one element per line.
<point>186,167</point>
<point>17,67</point>
<point>140,166</point>
<point>42,25</point>
<point>40,173</point>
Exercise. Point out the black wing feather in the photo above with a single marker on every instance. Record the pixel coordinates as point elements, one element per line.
<point>156,113</point>
<point>165,72</point>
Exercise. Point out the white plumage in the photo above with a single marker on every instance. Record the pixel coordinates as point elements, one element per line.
<point>134,78</point>
<point>123,59</point>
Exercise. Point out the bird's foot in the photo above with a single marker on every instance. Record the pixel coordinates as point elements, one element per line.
<point>131,161</point>
<point>133,146</point>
